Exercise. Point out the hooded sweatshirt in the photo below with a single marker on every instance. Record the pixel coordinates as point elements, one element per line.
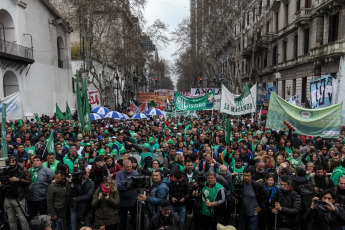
<point>337,173</point>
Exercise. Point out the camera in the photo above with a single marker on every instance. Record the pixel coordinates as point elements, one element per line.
<point>320,202</point>
<point>139,182</point>
<point>201,181</point>
<point>5,175</point>
<point>104,194</point>
<point>238,185</point>
<point>78,171</point>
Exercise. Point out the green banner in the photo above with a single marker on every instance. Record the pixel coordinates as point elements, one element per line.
<point>180,114</point>
<point>199,103</point>
<point>79,105</point>
<point>4,152</point>
<point>86,106</point>
<point>323,122</point>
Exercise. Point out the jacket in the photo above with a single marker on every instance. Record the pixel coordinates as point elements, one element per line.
<point>324,219</point>
<point>158,193</point>
<point>106,210</point>
<point>128,196</point>
<point>81,196</point>
<point>172,221</point>
<point>37,191</point>
<point>97,174</point>
<point>337,173</point>
<point>260,193</point>
<point>179,191</point>
<point>290,202</point>
<point>58,198</point>
<point>340,196</point>
<point>21,188</point>
<point>225,181</point>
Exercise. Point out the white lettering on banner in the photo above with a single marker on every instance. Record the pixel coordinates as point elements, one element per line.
<point>14,106</point>
<point>94,98</point>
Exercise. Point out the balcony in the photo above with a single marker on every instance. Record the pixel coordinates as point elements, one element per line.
<point>16,53</point>
<point>264,42</point>
<point>303,16</point>
<point>327,5</point>
<point>334,49</point>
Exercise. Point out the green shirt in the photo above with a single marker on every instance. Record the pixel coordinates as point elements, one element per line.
<point>53,166</point>
<point>210,194</point>
<point>143,156</point>
<point>30,150</point>
<point>70,163</point>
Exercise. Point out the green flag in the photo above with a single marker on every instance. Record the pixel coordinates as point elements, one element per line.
<point>153,104</point>
<point>228,138</point>
<point>50,144</point>
<point>4,152</point>
<point>59,114</point>
<point>324,122</point>
<point>79,105</point>
<point>38,119</point>
<point>199,103</point>
<point>68,114</point>
<point>86,107</point>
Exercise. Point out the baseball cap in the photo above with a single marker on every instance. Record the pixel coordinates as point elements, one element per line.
<point>146,146</point>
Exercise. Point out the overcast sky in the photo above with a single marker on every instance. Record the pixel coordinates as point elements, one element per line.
<point>171,13</point>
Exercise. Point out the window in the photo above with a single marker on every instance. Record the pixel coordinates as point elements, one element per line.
<point>294,84</point>
<point>286,14</point>
<point>306,41</point>
<point>254,16</point>
<point>267,26</point>
<point>274,55</point>
<point>298,5</point>
<point>265,59</point>
<point>60,52</point>
<point>307,4</point>
<point>284,51</point>
<point>268,3</point>
<point>260,8</point>
<point>304,89</point>
<point>295,41</point>
<point>283,89</point>
<point>333,27</point>
<point>247,19</point>
<point>277,22</point>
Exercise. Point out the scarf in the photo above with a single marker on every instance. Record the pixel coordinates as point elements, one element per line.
<point>34,172</point>
<point>105,190</point>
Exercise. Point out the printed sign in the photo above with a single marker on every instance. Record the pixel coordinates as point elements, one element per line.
<point>197,92</point>
<point>13,106</point>
<point>94,98</point>
<point>198,103</point>
<point>321,91</point>
<point>296,100</point>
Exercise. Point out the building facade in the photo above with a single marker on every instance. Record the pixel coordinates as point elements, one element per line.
<point>287,43</point>
<point>35,56</point>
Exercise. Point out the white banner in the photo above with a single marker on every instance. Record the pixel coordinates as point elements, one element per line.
<point>238,104</point>
<point>14,106</point>
<point>164,92</point>
<point>94,98</point>
<point>296,100</point>
<point>341,88</point>
<point>198,92</point>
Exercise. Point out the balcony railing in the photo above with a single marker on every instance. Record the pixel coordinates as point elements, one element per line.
<point>334,48</point>
<point>303,16</point>
<point>16,52</point>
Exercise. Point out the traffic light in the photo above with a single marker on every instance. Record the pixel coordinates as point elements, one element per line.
<point>201,80</point>
<point>156,80</point>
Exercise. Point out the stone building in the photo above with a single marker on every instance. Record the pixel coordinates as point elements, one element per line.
<point>35,55</point>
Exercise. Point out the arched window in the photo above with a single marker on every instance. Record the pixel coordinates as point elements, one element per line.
<point>60,52</point>
<point>10,83</point>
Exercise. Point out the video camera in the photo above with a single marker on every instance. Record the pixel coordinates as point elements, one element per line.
<point>78,171</point>
<point>139,182</point>
<point>5,175</point>
<point>201,181</point>
<point>238,185</point>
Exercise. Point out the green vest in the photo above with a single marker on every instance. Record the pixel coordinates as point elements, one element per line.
<point>236,170</point>
<point>53,166</point>
<point>120,146</point>
<point>143,156</point>
<point>210,195</point>
<point>181,167</point>
<point>70,163</point>
<point>30,150</point>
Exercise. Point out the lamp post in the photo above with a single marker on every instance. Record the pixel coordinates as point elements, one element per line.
<point>117,88</point>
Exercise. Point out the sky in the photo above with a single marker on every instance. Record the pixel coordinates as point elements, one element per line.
<point>171,12</point>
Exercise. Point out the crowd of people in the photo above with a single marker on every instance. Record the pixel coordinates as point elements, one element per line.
<point>170,173</point>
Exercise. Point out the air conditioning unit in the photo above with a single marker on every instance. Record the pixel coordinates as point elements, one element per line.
<point>277,76</point>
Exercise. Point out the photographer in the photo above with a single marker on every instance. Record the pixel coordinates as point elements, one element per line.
<point>106,201</point>
<point>165,219</point>
<point>15,192</point>
<point>81,197</point>
<point>324,213</point>
<point>127,196</point>
<point>58,199</point>
<point>158,192</point>
<point>213,203</point>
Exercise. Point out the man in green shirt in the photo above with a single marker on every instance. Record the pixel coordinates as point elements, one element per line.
<point>29,148</point>
<point>145,152</point>
<point>52,163</point>
<point>71,158</point>
<point>153,145</point>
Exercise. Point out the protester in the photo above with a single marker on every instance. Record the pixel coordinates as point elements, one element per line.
<point>166,218</point>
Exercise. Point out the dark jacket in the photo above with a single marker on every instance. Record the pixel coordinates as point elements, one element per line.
<point>97,174</point>
<point>58,198</point>
<point>21,188</point>
<point>305,188</point>
<point>290,202</point>
<point>178,191</point>
<point>323,183</point>
<point>260,193</point>
<point>256,175</point>
<point>324,219</point>
<point>225,181</point>
<point>158,193</point>
<point>159,221</point>
<point>106,210</point>
<point>340,197</point>
<point>128,196</point>
<point>81,197</point>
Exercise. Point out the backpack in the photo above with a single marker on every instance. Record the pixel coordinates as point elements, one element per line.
<point>307,193</point>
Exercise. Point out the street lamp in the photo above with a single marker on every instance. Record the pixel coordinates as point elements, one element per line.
<point>117,88</point>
